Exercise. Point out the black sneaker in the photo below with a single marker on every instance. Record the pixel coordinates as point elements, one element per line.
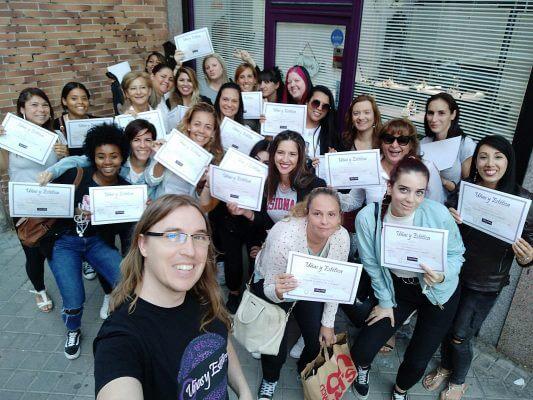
<point>266,390</point>
<point>72,344</point>
<point>360,385</point>
<point>88,271</point>
<point>233,303</point>
<point>399,396</point>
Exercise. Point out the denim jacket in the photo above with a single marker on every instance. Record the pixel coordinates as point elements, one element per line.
<point>67,163</point>
<point>429,214</point>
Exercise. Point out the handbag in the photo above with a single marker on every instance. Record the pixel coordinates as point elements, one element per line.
<point>31,230</point>
<point>328,377</point>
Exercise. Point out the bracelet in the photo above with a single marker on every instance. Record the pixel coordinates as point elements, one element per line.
<point>523,260</point>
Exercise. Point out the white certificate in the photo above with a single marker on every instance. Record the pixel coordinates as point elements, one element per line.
<point>183,157</point>
<point>443,152</point>
<point>123,120</point>
<point>282,117</point>
<point>323,279</point>
<point>26,139</point>
<point>321,169</point>
<point>117,204</point>
<point>235,187</point>
<point>237,136</point>
<point>253,104</point>
<point>175,116</point>
<point>405,247</point>
<point>32,200</point>
<point>155,117</point>
<point>194,44</point>
<point>349,169</point>
<point>496,213</point>
<point>120,70</point>
<point>77,130</point>
<point>236,161</point>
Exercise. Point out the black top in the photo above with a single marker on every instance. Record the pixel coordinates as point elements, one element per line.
<point>165,350</point>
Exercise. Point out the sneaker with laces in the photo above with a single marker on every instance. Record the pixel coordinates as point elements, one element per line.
<point>72,344</point>
<point>266,390</point>
<point>399,396</point>
<point>360,385</point>
<point>104,310</point>
<point>88,271</point>
<point>297,349</point>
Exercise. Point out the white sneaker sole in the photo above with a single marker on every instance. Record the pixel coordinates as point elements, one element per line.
<point>73,356</point>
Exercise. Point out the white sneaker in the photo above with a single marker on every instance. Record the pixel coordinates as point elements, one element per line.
<point>256,355</point>
<point>220,273</point>
<point>104,310</point>
<point>297,349</point>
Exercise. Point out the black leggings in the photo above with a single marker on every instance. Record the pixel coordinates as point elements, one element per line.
<point>432,325</point>
<point>34,266</point>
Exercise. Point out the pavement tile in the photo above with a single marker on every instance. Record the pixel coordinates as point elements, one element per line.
<point>10,358</point>
<point>35,360</point>
<point>5,374</point>
<point>10,394</point>
<point>34,396</point>
<point>69,384</point>
<point>45,381</point>
<point>87,387</point>
<point>21,380</point>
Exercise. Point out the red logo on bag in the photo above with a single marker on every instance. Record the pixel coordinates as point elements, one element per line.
<point>337,381</point>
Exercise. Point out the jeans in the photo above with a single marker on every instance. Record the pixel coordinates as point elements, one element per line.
<point>68,253</point>
<point>432,324</point>
<point>456,349</point>
<point>308,315</point>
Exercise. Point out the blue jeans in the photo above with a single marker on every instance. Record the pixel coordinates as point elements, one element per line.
<point>68,253</point>
<point>456,349</point>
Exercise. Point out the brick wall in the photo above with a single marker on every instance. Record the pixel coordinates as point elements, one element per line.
<point>49,43</point>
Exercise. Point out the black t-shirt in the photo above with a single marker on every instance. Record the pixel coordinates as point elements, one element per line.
<point>165,350</point>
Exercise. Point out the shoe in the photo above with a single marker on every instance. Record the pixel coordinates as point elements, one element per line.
<point>221,278</point>
<point>266,390</point>
<point>72,344</point>
<point>453,392</point>
<point>88,272</point>
<point>360,385</point>
<point>399,396</point>
<point>435,378</point>
<point>104,310</point>
<point>45,305</point>
<point>256,355</point>
<point>233,303</point>
<point>297,349</point>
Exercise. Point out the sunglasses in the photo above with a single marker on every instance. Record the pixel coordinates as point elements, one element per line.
<point>389,139</point>
<point>315,104</point>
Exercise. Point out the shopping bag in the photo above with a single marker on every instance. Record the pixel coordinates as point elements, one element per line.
<point>330,374</point>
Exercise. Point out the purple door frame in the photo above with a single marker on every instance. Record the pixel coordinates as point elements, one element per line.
<point>331,12</point>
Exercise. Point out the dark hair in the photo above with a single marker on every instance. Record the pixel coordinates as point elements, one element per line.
<point>230,85</point>
<point>100,135</point>
<point>299,177</point>
<point>405,165</point>
<point>273,75</point>
<point>28,93</point>
<point>455,129</point>
<point>137,125</point>
<point>260,146</point>
<point>350,132</point>
<point>161,66</point>
<point>70,87</point>
<point>328,124</point>
<point>402,127</point>
<point>507,183</point>
<point>159,56</point>
<point>304,74</point>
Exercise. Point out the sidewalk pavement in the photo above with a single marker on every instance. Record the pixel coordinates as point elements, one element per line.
<point>32,364</point>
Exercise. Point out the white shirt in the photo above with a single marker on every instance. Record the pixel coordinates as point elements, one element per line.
<point>312,140</point>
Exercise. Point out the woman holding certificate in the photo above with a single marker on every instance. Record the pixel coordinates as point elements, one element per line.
<point>78,239</point>
<point>315,230</point>
<point>486,268</point>
<point>228,103</point>
<point>33,106</point>
<point>442,122</point>
<point>137,88</point>
<point>434,295</point>
<point>186,90</point>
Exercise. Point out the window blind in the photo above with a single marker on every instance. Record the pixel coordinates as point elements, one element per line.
<point>478,51</point>
<point>232,24</point>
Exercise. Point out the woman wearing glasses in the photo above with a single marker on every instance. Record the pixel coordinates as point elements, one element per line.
<point>167,337</point>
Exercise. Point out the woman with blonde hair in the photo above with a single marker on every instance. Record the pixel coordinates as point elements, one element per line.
<point>186,89</point>
<point>168,325</point>
<point>137,88</point>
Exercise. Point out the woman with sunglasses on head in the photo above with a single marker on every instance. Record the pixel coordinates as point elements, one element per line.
<point>186,89</point>
<point>432,294</point>
<point>396,141</point>
<point>34,106</point>
<point>442,122</point>
<point>486,268</point>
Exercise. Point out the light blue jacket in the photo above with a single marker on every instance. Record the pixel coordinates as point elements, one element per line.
<point>66,163</point>
<point>429,214</point>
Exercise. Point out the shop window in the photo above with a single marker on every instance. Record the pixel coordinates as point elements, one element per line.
<point>480,52</point>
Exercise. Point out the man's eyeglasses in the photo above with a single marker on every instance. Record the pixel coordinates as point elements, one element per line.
<point>389,139</point>
<point>198,239</point>
<point>316,103</point>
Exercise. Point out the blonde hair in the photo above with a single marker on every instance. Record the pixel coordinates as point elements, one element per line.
<point>214,146</point>
<point>128,80</point>
<point>219,58</point>
<point>175,96</point>
<point>206,290</point>
<point>301,209</point>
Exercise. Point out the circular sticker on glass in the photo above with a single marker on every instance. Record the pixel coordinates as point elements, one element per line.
<point>337,37</point>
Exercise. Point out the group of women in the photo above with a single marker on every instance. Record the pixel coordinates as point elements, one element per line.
<point>298,211</point>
